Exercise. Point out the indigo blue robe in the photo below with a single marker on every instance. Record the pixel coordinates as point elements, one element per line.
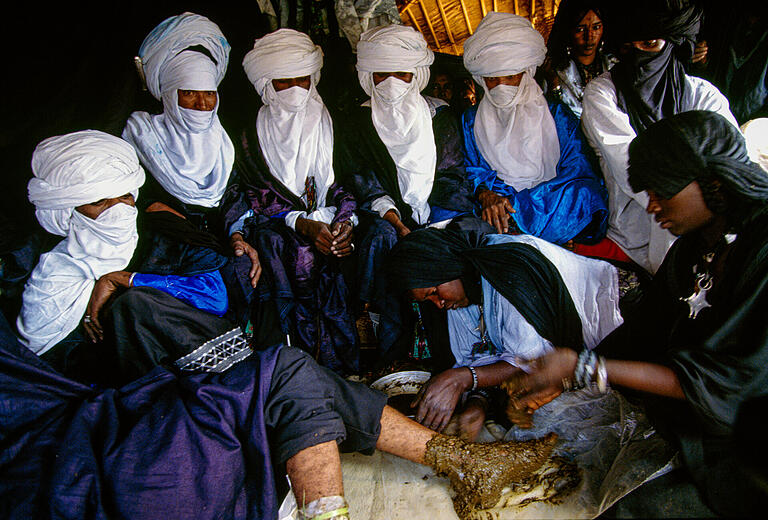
<point>572,206</point>
<point>160,447</point>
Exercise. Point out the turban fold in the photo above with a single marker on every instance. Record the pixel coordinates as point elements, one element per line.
<point>678,150</point>
<point>80,168</point>
<point>393,48</point>
<point>174,35</point>
<point>285,53</point>
<point>502,45</point>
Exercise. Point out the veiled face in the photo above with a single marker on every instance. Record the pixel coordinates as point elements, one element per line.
<point>654,45</point>
<point>94,209</point>
<point>203,100</point>
<point>587,35</point>
<point>448,295</point>
<point>513,80</point>
<point>378,77</point>
<point>686,211</point>
<point>286,83</point>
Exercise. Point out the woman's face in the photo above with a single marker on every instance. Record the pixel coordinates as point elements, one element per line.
<point>448,295</point>
<point>285,83</point>
<point>587,35</point>
<point>94,209</point>
<point>203,100</point>
<point>513,80</point>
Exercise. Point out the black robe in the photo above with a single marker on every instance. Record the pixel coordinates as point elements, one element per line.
<point>720,359</point>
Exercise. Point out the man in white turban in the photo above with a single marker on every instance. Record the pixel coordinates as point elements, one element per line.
<point>288,204</point>
<point>84,189</point>
<point>402,154</point>
<point>527,160</point>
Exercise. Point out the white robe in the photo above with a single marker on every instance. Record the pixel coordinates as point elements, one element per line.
<point>609,132</point>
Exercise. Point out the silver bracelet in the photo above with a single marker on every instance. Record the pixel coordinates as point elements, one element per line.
<point>474,378</point>
<point>602,375</point>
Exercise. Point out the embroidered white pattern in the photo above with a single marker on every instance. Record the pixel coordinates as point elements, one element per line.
<point>218,354</point>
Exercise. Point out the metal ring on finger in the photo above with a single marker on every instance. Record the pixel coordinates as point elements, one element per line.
<point>352,246</point>
<point>87,318</point>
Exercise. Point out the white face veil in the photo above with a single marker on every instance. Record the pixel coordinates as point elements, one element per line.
<point>69,171</point>
<point>514,129</point>
<point>187,151</point>
<point>294,127</point>
<point>400,114</point>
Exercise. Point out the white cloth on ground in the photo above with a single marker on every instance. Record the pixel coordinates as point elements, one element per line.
<point>593,285</point>
<point>514,129</point>
<point>59,288</point>
<point>609,132</point>
<point>401,116</point>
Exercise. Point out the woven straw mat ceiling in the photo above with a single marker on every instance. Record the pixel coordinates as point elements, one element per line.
<point>445,24</point>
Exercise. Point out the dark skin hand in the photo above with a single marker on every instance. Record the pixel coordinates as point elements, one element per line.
<point>336,240</point>
<point>104,290</point>
<point>437,399</point>
<point>240,247</point>
<point>545,379</point>
<point>391,217</point>
<point>496,209</point>
<point>472,418</point>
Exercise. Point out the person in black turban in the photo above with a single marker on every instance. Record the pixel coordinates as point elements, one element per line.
<point>508,298</point>
<point>697,347</point>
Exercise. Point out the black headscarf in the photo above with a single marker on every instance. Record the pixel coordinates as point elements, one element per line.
<point>651,85</point>
<point>521,274</point>
<point>698,146</point>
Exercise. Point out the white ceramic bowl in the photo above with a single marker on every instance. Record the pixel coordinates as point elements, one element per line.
<point>406,382</point>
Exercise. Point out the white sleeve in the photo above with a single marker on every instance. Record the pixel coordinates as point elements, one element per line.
<point>292,217</point>
<point>384,204</point>
<point>707,97</point>
<point>609,132</point>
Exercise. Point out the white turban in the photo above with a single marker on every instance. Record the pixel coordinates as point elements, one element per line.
<point>393,48</point>
<point>403,122</point>
<point>73,170</point>
<point>80,168</point>
<point>503,44</point>
<point>285,53</point>
<point>187,151</point>
<point>756,135</point>
<point>174,35</point>
<point>514,129</point>
<point>294,127</point>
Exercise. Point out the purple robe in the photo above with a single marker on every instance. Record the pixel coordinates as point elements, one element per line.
<point>162,446</point>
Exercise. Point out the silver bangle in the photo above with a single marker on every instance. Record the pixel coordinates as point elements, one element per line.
<point>602,375</point>
<point>474,378</point>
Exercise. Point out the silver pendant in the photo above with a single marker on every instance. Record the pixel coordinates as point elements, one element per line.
<point>698,300</point>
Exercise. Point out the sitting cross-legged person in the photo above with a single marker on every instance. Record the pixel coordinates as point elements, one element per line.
<point>509,298</point>
<point>84,188</point>
<point>319,259</point>
<point>531,168</point>
<point>214,445</point>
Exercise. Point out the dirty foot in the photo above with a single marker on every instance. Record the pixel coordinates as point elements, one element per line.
<point>479,472</point>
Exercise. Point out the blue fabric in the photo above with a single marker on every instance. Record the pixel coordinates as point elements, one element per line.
<point>438,214</point>
<point>205,291</point>
<point>573,205</point>
<point>162,446</point>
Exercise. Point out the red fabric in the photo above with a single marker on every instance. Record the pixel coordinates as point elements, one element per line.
<point>605,249</point>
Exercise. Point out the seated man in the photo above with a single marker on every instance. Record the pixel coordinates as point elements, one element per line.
<point>527,160</point>
<point>203,445</point>
<point>84,189</point>
<point>697,346</point>
<point>287,203</point>
<point>508,299</point>
<point>648,83</point>
<point>402,155</point>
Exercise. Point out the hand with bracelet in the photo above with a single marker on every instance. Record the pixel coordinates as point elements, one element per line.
<point>564,369</point>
